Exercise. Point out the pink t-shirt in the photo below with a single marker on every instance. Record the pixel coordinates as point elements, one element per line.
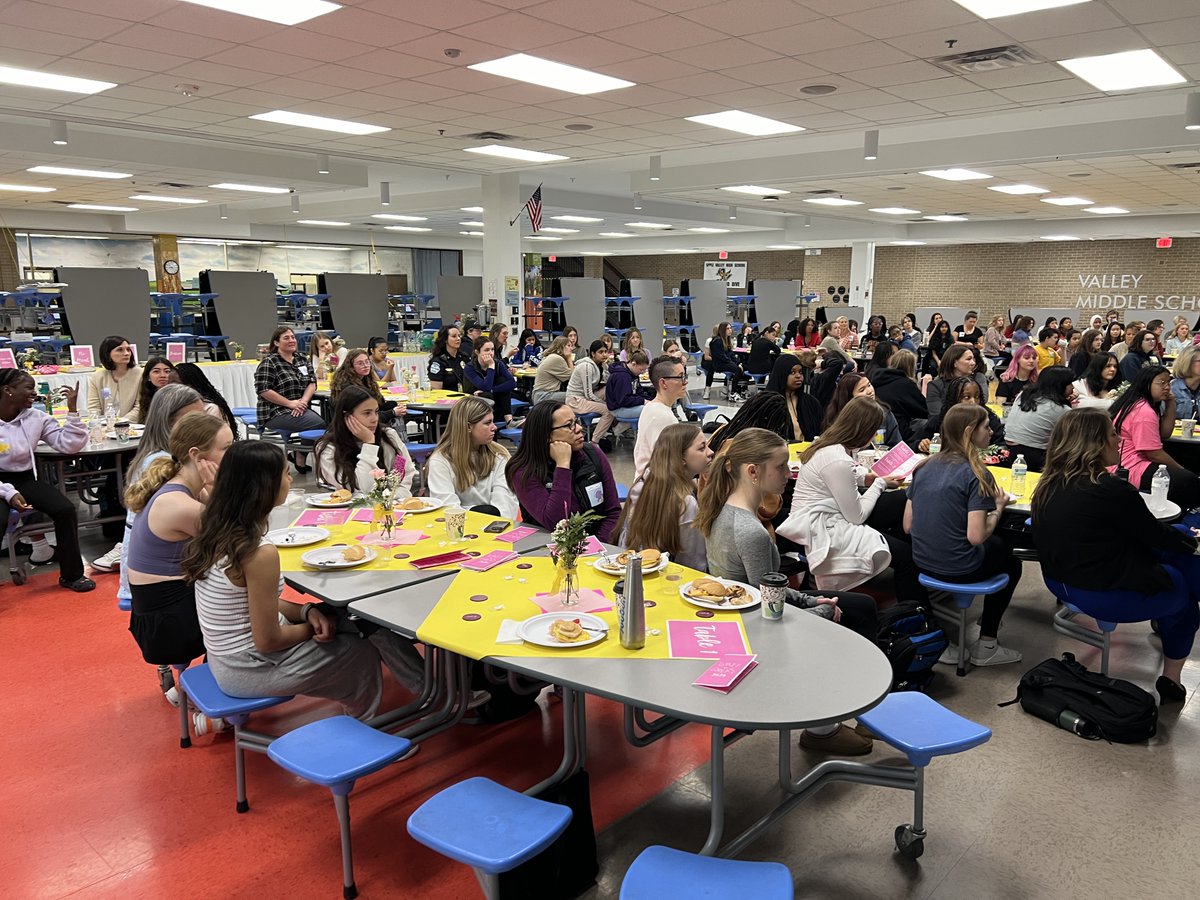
<point>1139,434</point>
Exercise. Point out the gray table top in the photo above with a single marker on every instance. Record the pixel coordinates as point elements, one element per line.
<point>108,446</point>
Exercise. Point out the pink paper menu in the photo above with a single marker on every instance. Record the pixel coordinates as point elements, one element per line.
<point>705,639</point>
<point>726,672</point>
<point>511,537</point>
<point>897,462</point>
<point>324,517</point>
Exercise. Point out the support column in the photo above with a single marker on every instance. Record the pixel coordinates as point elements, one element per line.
<point>166,258</point>
<point>10,266</point>
<point>862,276</point>
<point>502,198</point>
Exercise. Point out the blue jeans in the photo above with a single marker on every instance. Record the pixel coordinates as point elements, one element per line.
<point>627,414</point>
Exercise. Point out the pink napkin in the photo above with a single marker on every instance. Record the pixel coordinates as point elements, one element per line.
<point>398,538</point>
<point>590,601</point>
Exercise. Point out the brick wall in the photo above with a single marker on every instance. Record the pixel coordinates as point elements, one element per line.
<point>672,268</point>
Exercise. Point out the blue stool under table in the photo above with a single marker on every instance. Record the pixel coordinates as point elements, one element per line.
<point>1064,619</point>
<point>334,753</point>
<point>963,594</point>
<point>660,872</point>
<point>488,827</point>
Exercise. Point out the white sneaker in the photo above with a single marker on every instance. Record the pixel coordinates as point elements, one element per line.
<point>204,725</point>
<point>995,655</point>
<point>706,393</point>
<point>949,656</point>
<point>109,561</point>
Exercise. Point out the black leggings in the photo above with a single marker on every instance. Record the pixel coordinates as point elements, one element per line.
<point>858,611</point>
<point>997,560</point>
<point>888,519</point>
<point>47,499</point>
<point>1185,486</point>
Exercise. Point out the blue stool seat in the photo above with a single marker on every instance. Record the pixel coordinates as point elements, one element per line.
<point>1075,601</point>
<point>963,594</point>
<point>333,753</point>
<point>518,404</point>
<point>487,826</point>
<point>921,728</point>
<point>660,872</point>
<point>313,434</point>
<point>420,452</point>
<point>703,409</point>
<point>242,411</point>
<point>513,434</point>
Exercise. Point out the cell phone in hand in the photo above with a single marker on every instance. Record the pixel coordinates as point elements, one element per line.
<point>497,527</point>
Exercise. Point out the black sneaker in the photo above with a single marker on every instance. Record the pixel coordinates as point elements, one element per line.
<point>605,443</point>
<point>79,585</point>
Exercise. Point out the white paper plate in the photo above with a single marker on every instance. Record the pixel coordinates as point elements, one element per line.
<point>755,597</point>
<point>331,558</point>
<point>428,502</point>
<point>537,630</point>
<point>609,565</point>
<point>135,430</point>
<point>298,536</point>
<point>322,501</point>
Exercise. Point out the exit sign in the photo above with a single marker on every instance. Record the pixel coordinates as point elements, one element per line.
<point>553,259</point>
<point>724,254</point>
<point>1163,244</point>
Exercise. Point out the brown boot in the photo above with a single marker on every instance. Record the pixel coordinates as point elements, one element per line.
<point>843,742</point>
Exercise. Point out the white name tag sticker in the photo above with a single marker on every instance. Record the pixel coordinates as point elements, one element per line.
<point>303,370</point>
<point>595,494</point>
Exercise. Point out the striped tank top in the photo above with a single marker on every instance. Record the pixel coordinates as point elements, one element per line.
<point>223,609</point>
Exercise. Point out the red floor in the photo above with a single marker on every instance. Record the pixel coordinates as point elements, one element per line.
<point>100,801</point>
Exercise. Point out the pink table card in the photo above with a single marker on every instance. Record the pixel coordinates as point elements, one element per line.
<point>7,359</point>
<point>176,352</point>
<point>705,639</point>
<point>897,462</point>
<point>323,517</point>
<point>590,601</point>
<point>399,538</point>
<point>363,514</point>
<point>511,537</point>
<point>489,560</point>
<point>726,672</point>
<point>81,355</point>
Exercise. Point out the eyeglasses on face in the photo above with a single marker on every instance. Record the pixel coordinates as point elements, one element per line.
<point>573,425</point>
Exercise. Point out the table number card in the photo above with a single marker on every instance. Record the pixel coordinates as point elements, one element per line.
<point>705,639</point>
<point>896,463</point>
<point>7,360</point>
<point>176,352</point>
<point>323,517</point>
<point>82,355</point>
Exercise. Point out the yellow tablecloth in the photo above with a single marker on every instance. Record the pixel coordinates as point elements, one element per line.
<point>1004,480</point>
<point>398,558</point>
<point>795,449</point>
<point>507,597</point>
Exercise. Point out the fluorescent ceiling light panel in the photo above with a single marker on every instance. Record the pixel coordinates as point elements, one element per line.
<point>80,173</point>
<point>1019,189</point>
<point>320,123</point>
<point>583,219</point>
<point>538,237</point>
<point>594,253</point>
<point>472,224</point>
<point>52,82</point>
<point>471,209</point>
<point>1123,71</point>
<point>1106,210</point>
<point>155,198</point>
<point>995,9</point>
<point>515,153</point>
<point>1059,237</point>
<point>907,243</point>
<point>653,226</point>
<point>956,174</point>
<point>745,123</point>
<point>283,12</point>
<point>946,218</point>
<point>710,230</point>
<point>405,228</point>
<point>561,230</point>
<point>1067,201</point>
<point>472,233</point>
<point>896,210</point>
<point>616,234</point>
<point>755,190</point>
<point>547,73</point>
<point>394,217</point>
<point>27,188</point>
<point>321,222</point>
<point>833,201</point>
<point>248,188</point>
<point>97,207</point>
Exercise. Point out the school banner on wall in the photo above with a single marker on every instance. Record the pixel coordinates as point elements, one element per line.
<point>732,273</point>
<point>1102,291</point>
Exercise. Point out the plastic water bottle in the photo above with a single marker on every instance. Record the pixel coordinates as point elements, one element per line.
<point>631,615</point>
<point>935,443</point>
<point>95,431</point>
<point>109,405</point>
<point>1160,486</point>
<point>1019,471</point>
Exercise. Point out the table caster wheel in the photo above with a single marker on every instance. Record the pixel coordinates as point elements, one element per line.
<point>908,842</point>
<point>18,575</point>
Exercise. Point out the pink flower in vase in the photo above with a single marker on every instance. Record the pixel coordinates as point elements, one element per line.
<point>377,473</point>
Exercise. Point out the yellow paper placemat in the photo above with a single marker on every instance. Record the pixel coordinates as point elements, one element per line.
<point>398,558</point>
<point>1004,480</point>
<point>505,596</point>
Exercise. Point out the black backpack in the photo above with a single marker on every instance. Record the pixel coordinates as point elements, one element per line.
<point>1093,706</point>
<point>912,641</point>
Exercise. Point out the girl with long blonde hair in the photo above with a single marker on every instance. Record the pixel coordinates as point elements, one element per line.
<point>467,468</point>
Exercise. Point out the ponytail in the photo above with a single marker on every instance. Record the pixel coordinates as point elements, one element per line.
<point>156,475</point>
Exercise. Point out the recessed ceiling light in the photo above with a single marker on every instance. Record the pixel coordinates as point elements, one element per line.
<point>584,219</point>
<point>309,247</point>
<point>818,90</point>
<point>283,12</point>
<point>833,201</point>
<point>515,153</point>
<point>946,217</point>
<point>27,188</point>
<point>545,72</point>
<point>744,123</point>
<point>994,9</point>
<point>1123,71</point>
<point>471,208</point>
<point>472,233</point>
<point>155,198</point>
<point>896,210</point>
<point>907,243</point>
<point>320,123</point>
<point>80,173</point>
<point>560,230</point>
<point>956,174</point>
<point>100,208</point>
<point>331,224</point>
<point>756,190</point>
<point>393,217</point>
<point>710,230</point>
<point>1059,237</point>
<point>405,228</point>
<point>594,253</point>
<point>471,224</point>
<point>1106,210</point>
<point>248,188</point>
<point>1067,201</point>
<point>51,82</point>
<point>617,234</point>
<point>654,226</point>
<point>1019,189</point>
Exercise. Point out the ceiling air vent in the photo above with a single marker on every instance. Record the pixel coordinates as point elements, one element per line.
<point>178,186</point>
<point>489,136</point>
<point>1184,166</point>
<point>974,62</point>
<point>822,193</point>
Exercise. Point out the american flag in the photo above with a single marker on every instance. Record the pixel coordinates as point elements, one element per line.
<point>533,206</point>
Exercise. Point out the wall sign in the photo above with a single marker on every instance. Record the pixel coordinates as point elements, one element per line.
<point>732,273</point>
<point>1109,290</point>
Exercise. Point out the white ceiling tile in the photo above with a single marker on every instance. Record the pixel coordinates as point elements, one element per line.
<point>676,6</point>
<point>857,100</point>
<point>300,89</point>
<point>911,17</point>
<point>591,52</point>
<point>652,69</point>
<point>129,10</point>
<point>1051,90</point>
<point>776,71</point>
<point>893,112</point>
<point>742,17</point>
<point>1173,32</point>
<point>146,60</point>
<point>1096,43</point>
<point>364,26</point>
<point>1182,54</point>
<point>631,116</point>
<point>645,95</point>
<point>476,103</point>
<point>1033,74</point>
<point>584,106</point>
<point>905,73</point>
<point>445,14</point>
<point>258,60</point>
<point>722,55</point>
<point>794,111</point>
<point>189,18</point>
<point>839,7</point>
<point>748,99</point>
<point>1139,11</point>
<point>975,35</point>
<point>702,85</point>
<point>397,65</point>
<point>43,42</point>
<point>833,120</point>
<point>810,37</point>
<point>1048,23</point>
<point>28,59</point>
<point>76,23</point>
<point>517,31</point>
<point>574,12</point>
<point>211,76</point>
<point>343,76</point>
<point>947,86</point>
<point>973,101</point>
<point>661,35</point>
<point>461,79</point>
<point>310,45</point>
<point>433,47</point>
<point>870,54</point>
<point>163,40</point>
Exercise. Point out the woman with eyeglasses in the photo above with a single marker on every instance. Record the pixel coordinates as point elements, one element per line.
<point>1144,416</point>
<point>555,473</point>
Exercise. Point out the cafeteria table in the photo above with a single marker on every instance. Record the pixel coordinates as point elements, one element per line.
<point>800,651</point>
<point>111,458</point>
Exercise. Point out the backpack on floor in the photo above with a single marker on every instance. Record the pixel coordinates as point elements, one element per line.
<point>1091,705</point>
<point>912,641</point>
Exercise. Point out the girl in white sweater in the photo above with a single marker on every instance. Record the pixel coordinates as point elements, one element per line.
<point>357,445</point>
<point>467,468</point>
